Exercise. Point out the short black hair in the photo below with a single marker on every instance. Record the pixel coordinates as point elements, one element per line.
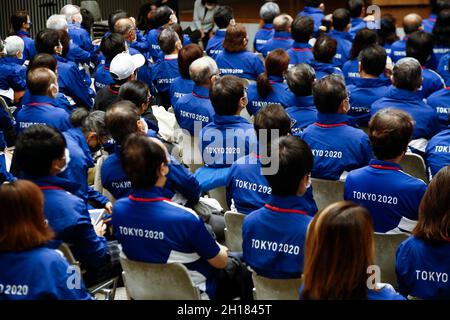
<point>116,16</point>
<point>390,131</point>
<point>18,18</point>
<point>46,41</point>
<point>39,81</point>
<point>328,93</point>
<point>314,3</point>
<point>88,19</point>
<point>162,15</point>
<point>225,95</point>
<point>420,46</point>
<point>121,120</point>
<point>141,158</point>
<point>112,45</point>
<point>363,38</point>
<point>273,117</point>
<point>324,49</point>
<point>373,59</point>
<point>295,162</point>
<point>223,16</point>
<point>355,7</point>
<point>135,91</point>
<point>341,19</point>
<point>43,60</point>
<point>37,147</point>
<point>302,28</point>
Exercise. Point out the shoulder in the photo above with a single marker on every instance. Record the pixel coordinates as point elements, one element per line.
<point>384,291</point>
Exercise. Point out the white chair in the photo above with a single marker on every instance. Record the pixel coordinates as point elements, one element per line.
<point>233,230</point>
<point>414,165</point>
<point>150,281</point>
<point>191,155</point>
<point>98,186</point>
<point>276,289</point>
<point>326,192</point>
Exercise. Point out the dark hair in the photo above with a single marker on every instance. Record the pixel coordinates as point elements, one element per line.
<point>441,30</point>
<point>302,28</point>
<point>162,15</point>
<point>179,30</point>
<point>18,18</point>
<point>439,5</point>
<point>433,225</point>
<point>329,92</point>
<point>22,220</point>
<point>295,162</point>
<point>300,79</point>
<point>341,19</point>
<point>167,40</point>
<point>121,120</point>
<point>116,16</point>
<point>141,159</point>
<point>225,95</point>
<point>373,59</point>
<point>363,38</point>
<point>36,149</point>
<point>314,3</point>
<point>142,20</point>
<point>89,121</point>
<point>43,60</point>
<point>324,49</point>
<point>420,46</point>
<point>39,80</point>
<point>355,7</point>
<point>235,38</point>
<point>387,34</point>
<point>272,117</point>
<point>223,16</point>
<point>112,45</point>
<point>390,131</point>
<point>46,41</point>
<point>276,64</point>
<point>65,42</point>
<point>135,91</point>
<point>88,19</point>
<point>186,56</point>
<point>407,74</point>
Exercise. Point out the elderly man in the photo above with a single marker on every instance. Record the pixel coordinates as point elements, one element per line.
<point>12,72</point>
<point>282,36</point>
<point>77,33</point>
<point>411,23</point>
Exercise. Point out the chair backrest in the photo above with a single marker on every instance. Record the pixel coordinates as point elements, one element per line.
<point>220,194</point>
<point>191,155</point>
<point>385,248</point>
<point>233,230</point>
<point>414,165</point>
<point>98,186</point>
<point>276,289</point>
<point>94,8</point>
<point>327,192</point>
<point>150,281</point>
<point>67,252</point>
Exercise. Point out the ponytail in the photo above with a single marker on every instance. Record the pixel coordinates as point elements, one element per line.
<point>263,85</point>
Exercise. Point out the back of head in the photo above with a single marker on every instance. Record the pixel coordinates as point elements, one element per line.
<point>314,3</point>
<point>72,13</point>
<point>162,15</point>
<point>88,19</point>
<point>235,38</point>
<point>112,45</point>
<point>46,41</point>
<point>329,92</point>
<point>295,162</point>
<point>223,16</point>
<point>269,11</point>
<point>438,5</point>
<point>341,19</point>
<point>302,29</point>
<point>282,23</point>
<point>202,70</point>
<point>412,22</point>
<point>18,19</point>
<point>57,22</point>
<point>276,64</point>
<point>441,31</point>
<point>363,38</point>
<point>135,91</point>
<point>356,8</point>
<point>39,81</point>
<point>300,79</point>
<point>123,26</point>
<point>116,16</point>
<point>420,46</point>
<point>390,131</point>
<point>272,117</point>
<point>36,149</point>
<point>407,74</point>
<point>186,56</point>
<point>388,31</point>
<point>167,40</point>
<point>14,46</point>
<point>121,120</point>
<point>324,49</point>
<point>373,60</point>
<point>226,94</point>
<point>338,250</point>
<point>43,60</point>
<point>90,121</point>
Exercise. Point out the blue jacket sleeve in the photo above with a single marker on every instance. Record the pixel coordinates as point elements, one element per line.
<point>184,182</point>
<point>97,196</point>
<point>79,90</point>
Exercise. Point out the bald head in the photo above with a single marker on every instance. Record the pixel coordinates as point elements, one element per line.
<point>123,26</point>
<point>412,22</point>
<point>201,71</point>
<point>282,23</point>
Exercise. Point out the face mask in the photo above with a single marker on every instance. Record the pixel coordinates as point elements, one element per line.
<point>209,6</point>
<point>308,184</point>
<point>67,156</point>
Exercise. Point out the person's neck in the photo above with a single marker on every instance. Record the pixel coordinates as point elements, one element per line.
<point>396,160</point>
<point>365,75</point>
<point>24,30</point>
<point>160,183</point>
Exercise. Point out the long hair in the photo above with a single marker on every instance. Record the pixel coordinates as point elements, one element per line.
<point>276,64</point>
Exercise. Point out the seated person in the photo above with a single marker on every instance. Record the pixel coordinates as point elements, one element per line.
<point>21,25</point>
<point>302,30</point>
<point>194,111</point>
<point>314,9</point>
<point>282,37</point>
<point>303,112</point>
<point>41,155</point>
<point>12,73</point>
<point>411,22</point>
<point>267,13</point>
<point>38,272</point>
<point>235,59</point>
<point>440,101</point>
<point>163,18</point>
<point>337,147</point>
<point>340,32</point>
<point>223,17</point>
<point>443,68</point>
<point>357,10</point>
<point>370,85</point>
<point>270,87</point>
<point>340,239</point>
<point>283,221</point>
<point>387,34</point>
<point>437,153</point>
<point>324,51</point>
<point>391,196</point>
<point>80,36</point>
<point>423,261</point>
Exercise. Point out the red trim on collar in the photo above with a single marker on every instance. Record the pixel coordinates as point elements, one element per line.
<point>276,209</point>
<point>278,38</point>
<point>322,125</point>
<point>50,188</point>
<point>199,96</point>
<point>377,166</point>
<point>302,49</point>
<point>147,200</point>
<point>447,88</point>
<point>268,29</point>
<point>110,89</point>
<point>37,104</point>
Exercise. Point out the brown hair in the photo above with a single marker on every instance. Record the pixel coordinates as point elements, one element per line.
<point>276,64</point>
<point>434,210</point>
<point>339,247</point>
<point>235,38</point>
<point>186,56</point>
<point>39,80</point>
<point>22,221</point>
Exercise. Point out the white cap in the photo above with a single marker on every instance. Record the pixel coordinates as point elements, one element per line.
<point>123,65</point>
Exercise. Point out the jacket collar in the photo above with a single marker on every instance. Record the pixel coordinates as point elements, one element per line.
<point>268,26</point>
<point>282,35</point>
<point>23,34</point>
<point>304,102</point>
<point>78,135</point>
<point>322,66</point>
<point>200,92</point>
<point>371,82</point>
<point>331,119</point>
<point>287,204</point>
<point>341,35</point>
<point>384,165</point>
<point>60,59</point>
<point>301,45</point>
<point>229,119</point>
<point>276,79</point>
<point>12,60</point>
<point>312,10</point>
<point>401,94</point>
<point>32,99</point>
<point>55,181</point>
<point>152,194</point>
<point>74,25</point>
<point>220,33</point>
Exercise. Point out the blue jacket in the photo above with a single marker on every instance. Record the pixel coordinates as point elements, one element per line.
<point>398,49</point>
<point>280,94</point>
<point>388,48</point>
<point>437,153</point>
<point>303,113</point>
<point>280,40</point>
<point>391,195</point>
<point>273,238</point>
<point>443,68</point>
<point>179,179</point>
<point>351,70</point>
<point>179,88</point>
<point>363,93</point>
<point>194,108</point>
<point>164,73</point>
<point>432,82</point>
<point>344,46</point>
<point>262,36</point>
<point>4,174</point>
<point>225,140</point>
<point>152,229</point>
<point>215,44</point>
<point>102,77</point>
<point>324,69</point>
<point>316,14</point>
<point>81,37</point>
<point>242,64</point>
<point>30,48</point>
<point>140,44</point>
<point>300,53</point>
<point>37,274</point>
<point>61,102</point>
<point>42,110</point>
<point>427,124</point>
<point>440,101</point>
<point>428,24</point>
<point>336,146</point>
<point>12,74</point>
<point>79,56</point>
<point>439,52</point>
<point>80,162</point>
<point>423,268</point>
<point>152,40</point>
<point>357,24</point>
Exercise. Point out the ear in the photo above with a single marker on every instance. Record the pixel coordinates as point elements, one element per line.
<point>359,67</point>
<point>163,170</point>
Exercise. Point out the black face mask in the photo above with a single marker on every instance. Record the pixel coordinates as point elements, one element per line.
<point>96,149</point>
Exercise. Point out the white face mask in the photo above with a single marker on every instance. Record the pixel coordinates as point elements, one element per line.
<point>67,157</point>
<point>308,184</point>
<point>209,6</point>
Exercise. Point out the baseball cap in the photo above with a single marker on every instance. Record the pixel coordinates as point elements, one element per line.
<point>269,11</point>
<point>123,65</point>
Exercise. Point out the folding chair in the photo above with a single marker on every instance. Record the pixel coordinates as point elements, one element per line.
<point>385,248</point>
<point>276,289</point>
<point>153,281</point>
<point>100,26</point>
<point>98,186</point>
<point>191,155</point>
<point>233,230</point>
<point>414,165</point>
<point>326,192</point>
<point>220,194</point>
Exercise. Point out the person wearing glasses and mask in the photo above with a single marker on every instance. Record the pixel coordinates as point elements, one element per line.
<point>21,25</point>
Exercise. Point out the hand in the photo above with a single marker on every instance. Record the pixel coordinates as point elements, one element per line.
<point>97,42</point>
<point>100,229</point>
<point>108,207</point>
<point>369,18</point>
